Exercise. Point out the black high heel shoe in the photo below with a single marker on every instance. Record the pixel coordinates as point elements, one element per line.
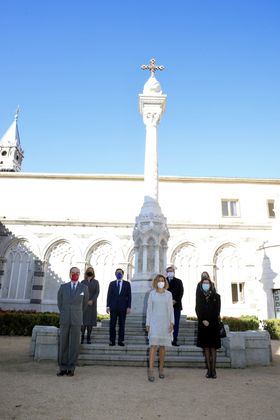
<point>208,374</point>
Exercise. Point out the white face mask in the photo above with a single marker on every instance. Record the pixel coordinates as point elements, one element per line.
<point>160,284</point>
<point>170,275</point>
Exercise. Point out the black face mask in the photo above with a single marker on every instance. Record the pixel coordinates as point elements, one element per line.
<point>89,274</point>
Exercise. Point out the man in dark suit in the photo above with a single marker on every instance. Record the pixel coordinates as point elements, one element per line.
<point>72,299</point>
<point>118,305</point>
<point>177,290</point>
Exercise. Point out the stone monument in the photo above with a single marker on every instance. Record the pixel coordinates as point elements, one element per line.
<point>150,232</point>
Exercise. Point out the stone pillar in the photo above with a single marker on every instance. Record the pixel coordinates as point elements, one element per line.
<point>38,283</point>
<point>2,263</point>
<point>150,232</point>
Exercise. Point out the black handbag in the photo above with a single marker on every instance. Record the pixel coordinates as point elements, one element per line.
<point>222,330</point>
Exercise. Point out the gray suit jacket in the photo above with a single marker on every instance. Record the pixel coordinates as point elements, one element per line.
<point>71,306</point>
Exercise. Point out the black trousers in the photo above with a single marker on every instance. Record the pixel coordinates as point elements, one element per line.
<point>117,315</point>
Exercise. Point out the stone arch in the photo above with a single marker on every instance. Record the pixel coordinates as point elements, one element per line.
<point>59,257</point>
<point>18,271</point>
<point>131,263</point>
<point>102,257</point>
<point>185,259</point>
<point>229,267</point>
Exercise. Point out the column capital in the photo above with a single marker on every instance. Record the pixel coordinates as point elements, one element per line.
<point>152,103</point>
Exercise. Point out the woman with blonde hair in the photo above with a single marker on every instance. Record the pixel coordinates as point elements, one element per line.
<point>159,323</point>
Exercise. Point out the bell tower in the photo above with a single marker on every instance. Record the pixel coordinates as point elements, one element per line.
<point>11,153</point>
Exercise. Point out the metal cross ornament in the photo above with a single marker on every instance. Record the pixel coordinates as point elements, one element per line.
<point>152,67</point>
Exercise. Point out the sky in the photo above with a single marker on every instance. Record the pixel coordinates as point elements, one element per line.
<point>73,67</point>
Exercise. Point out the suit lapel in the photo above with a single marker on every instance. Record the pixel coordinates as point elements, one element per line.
<point>69,289</point>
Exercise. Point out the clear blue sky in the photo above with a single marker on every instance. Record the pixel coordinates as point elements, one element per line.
<point>74,69</point>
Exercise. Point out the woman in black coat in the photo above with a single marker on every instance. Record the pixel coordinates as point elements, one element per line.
<point>90,313</point>
<point>208,306</point>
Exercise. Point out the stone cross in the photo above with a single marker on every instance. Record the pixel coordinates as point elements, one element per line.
<point>152,67</point>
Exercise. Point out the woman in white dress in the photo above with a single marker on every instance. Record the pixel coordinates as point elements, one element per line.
<point>159,323</point>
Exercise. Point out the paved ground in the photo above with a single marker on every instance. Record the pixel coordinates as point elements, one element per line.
<point>30,390</point>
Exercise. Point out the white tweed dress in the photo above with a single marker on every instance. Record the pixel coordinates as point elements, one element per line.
<point>160,314</point>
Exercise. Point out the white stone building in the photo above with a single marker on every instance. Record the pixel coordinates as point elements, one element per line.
<point>224,226</point>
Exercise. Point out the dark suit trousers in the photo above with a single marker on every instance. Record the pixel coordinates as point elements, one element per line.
<point>115,315</point>
<point>69,346</point>
<point>177,315</point>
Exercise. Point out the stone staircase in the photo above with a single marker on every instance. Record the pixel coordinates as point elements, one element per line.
<point>136,350</point>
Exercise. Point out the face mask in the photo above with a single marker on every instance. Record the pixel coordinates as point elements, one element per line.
<point>75,276</point>
<point>89,274</point>
<point>119,276</point>
<point>205,287</point>
<point>160,284</point>
<point>170,275</point>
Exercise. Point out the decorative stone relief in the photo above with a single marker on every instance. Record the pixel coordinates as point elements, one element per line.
<point>61,257</point>
<point>18,272</point>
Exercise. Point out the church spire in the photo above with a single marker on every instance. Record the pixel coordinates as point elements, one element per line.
<point>11,153</point>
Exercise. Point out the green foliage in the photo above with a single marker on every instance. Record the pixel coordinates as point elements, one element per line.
<point>100,317</point>
<point>244,323</point>
<point>273,327</point>
<point>22,322</point>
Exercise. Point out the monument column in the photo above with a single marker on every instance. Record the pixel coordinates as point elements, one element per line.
<point>150,232</point>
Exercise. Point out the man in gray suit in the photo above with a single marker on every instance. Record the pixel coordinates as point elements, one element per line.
<point>72,299</point>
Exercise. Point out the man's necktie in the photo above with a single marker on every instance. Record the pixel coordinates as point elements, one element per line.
<point>119,286</point>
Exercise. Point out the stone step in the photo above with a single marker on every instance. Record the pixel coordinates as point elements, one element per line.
<point>143,349</point>
<point>184,326</point>
<point>189,324</point>
<point>142,360</point>
<point>137,340</point>
<point>129,331</point>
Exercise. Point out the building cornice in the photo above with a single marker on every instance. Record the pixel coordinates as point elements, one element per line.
<point>124,177</point>
<point>74,223</point>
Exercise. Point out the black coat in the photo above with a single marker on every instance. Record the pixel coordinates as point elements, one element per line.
<point>90,314</point>
<point>208,310</point>
<point>177,289</point>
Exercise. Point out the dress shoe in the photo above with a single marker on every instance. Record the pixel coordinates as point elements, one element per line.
<point>121,343</point>
<point>70,372</point>
<point>161,374</point>
<point>61,373</point>
<point>112,343</point>
<point>88,341</point>
<point>174,343</point>
<point>151,377</point>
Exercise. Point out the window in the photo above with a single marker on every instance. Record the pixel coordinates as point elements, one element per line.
<point>270,208</point>
<point>230,208</point>
<point>4,153</point>
<point>237,292</point>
